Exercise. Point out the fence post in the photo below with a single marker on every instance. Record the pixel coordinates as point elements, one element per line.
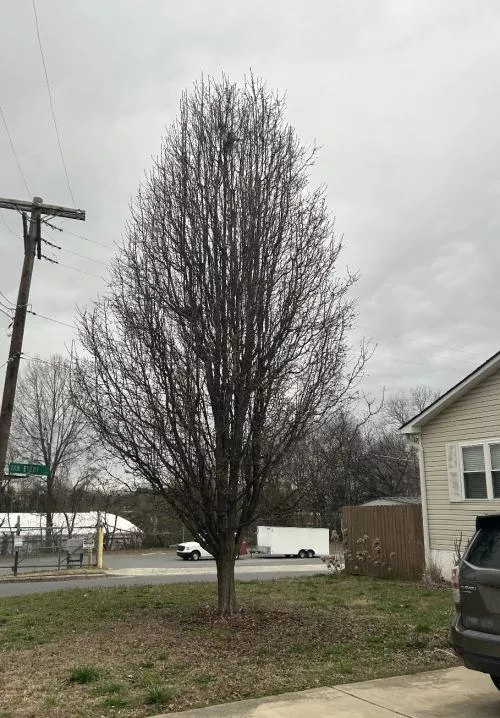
<point>59,548</point>
<point>100,546</point>
<point>16,553</point>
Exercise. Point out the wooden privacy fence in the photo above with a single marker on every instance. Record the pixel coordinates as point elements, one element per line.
<point>384,540</point>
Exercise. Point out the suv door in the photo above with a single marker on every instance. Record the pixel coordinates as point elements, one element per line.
<point>480,578</point>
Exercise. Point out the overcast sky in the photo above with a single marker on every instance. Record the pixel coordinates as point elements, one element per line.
<point>403,96</point>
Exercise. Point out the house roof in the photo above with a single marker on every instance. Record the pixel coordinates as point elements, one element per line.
<point>456,392</point>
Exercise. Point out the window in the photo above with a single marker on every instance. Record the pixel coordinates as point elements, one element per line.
<point>474,472</point>
<point>485,551</point>
<point>495,469</point>
<point>481,471</point>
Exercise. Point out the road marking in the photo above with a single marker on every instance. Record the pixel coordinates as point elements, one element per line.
<point>212,570</point>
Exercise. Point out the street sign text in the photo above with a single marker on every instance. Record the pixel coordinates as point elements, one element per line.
<point>34,469</point>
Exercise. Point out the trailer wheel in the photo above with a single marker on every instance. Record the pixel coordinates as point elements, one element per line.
<point>302,553</point>
<point>310,553</point>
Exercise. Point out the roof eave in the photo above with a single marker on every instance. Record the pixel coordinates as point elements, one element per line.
<point>407,429</point>
<point>415,424</point>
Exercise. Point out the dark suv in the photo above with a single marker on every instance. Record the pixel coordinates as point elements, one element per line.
<point>475,631</point>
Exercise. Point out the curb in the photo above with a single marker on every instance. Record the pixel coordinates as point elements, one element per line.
<point>51,577</point>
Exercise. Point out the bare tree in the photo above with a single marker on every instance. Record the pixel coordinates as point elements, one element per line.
<point>391,465</point>
<point>340,454</point>
<point>223,338</point>
<point>75,491</point>
<point>401,407</point>
<point>47,426</point>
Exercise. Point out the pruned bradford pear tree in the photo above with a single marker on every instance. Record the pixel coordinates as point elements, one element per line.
<point>223,338</point>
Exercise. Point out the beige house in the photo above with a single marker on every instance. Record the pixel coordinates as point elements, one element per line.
<point>458,440</point>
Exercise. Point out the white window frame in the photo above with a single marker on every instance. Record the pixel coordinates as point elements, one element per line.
<point>485,443</point>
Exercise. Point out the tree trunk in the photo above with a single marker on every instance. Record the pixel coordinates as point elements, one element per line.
<point>225,585</point>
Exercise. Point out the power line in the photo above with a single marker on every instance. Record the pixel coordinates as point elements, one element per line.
<point>430,358</point>
<point>7,299</point>
<point>68,266</point>
<point>14,151</point>
<point>428,366</point>
<point>86,239</point>
<point>5,308</point>
<point>8,225</point>
<point>82,271</point>
<point>52,104</point>
<point>51,319</point>
<point>78,236</point>
<point>84,256</point>
<point>32,358</point>
<point>417,341</point>
<point>77,254</point>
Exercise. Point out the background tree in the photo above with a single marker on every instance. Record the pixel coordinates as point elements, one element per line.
<point>341,468</point>
<point>48,427</point>
<point>223,340</point>
<point>391,465</point>
<point>402,406</point>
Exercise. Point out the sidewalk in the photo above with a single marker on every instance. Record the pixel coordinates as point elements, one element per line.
<point>450,693</point>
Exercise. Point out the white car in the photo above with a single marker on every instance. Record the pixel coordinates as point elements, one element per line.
<point>192,550</point>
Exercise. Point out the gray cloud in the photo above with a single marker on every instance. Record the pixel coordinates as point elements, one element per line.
<point>402,97</point>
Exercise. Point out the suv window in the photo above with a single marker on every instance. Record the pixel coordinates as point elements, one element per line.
<point>485,550</point>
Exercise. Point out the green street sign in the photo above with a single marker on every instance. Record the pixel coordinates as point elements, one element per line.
<point>33,469</point>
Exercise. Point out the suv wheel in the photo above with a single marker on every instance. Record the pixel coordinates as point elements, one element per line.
<point>195,556</point>
<point>496,681</point>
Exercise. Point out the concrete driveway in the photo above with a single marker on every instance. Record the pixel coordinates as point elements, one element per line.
<point>452,693</point>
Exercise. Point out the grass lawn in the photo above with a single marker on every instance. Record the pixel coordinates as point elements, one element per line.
<point>153,649</point>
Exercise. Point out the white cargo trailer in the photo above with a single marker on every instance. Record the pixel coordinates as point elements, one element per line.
<point>291,541</point>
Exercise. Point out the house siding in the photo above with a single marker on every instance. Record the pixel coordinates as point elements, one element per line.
<point>476,416</point>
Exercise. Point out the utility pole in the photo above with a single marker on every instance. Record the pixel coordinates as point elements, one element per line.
<point>32,244</point>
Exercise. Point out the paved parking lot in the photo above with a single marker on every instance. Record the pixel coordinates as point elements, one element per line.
<point>143,561</point>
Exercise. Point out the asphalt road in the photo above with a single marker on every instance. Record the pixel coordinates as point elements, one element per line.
<point>136,559</point>
<point>164,567</point>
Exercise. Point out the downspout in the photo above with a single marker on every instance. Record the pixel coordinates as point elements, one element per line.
<point>423,494</point>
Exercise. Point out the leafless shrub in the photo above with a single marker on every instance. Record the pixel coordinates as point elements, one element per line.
<point>433,574</point>
<point>369,559</point>
<point>460,549</point>
<point>335,561</point>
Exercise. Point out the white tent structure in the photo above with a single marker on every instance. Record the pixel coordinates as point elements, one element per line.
<point>67,523</point>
